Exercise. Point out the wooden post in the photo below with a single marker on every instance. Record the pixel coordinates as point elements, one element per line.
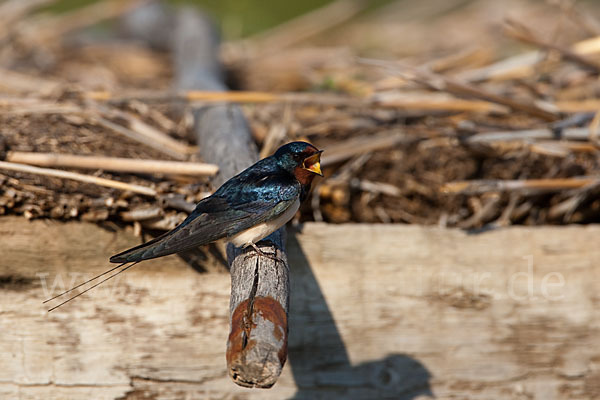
<point>257,344</point>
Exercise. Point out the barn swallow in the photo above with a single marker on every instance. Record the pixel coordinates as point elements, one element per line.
<point>245,209</point>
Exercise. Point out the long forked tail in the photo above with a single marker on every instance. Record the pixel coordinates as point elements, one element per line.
<point>151,249</point>
<point>91,287</point>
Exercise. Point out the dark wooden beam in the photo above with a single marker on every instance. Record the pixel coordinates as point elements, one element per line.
<point>257,345</point>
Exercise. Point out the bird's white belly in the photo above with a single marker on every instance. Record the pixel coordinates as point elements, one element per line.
<point>260,231</point>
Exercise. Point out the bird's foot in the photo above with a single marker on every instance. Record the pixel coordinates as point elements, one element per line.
<point>263,254</point>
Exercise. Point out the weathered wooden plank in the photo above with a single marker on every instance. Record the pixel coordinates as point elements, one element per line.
<point>416,310</point>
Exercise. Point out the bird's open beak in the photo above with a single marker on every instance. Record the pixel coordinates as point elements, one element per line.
<point>313,163</point>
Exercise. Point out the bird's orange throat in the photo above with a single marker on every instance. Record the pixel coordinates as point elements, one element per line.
<point>304,176</point>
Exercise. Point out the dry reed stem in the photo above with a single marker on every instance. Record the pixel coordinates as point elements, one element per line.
<point>9,166</point>
<point>537,185</point>
<point>112,163</point>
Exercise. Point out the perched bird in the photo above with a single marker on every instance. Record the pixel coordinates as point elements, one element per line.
<point>245,209</point>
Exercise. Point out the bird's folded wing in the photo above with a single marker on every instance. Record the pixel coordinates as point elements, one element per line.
<point>215,218</point>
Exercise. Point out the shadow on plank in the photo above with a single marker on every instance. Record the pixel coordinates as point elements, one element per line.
<point>318,357</point>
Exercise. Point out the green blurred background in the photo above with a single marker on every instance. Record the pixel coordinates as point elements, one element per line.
<point>241,18</point>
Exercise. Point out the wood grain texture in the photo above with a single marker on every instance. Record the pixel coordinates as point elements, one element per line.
<point>377,311</point>
<point>257,344</point>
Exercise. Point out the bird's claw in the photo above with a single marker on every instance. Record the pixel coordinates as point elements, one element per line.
<point>263,254</point>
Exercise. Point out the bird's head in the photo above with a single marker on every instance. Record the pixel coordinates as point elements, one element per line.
<point>301,159</point>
